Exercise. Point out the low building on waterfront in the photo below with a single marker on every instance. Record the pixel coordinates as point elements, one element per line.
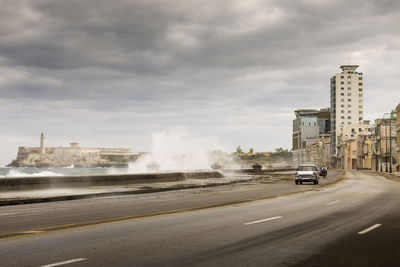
<point>73,155</point>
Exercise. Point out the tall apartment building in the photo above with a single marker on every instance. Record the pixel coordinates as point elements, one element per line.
<point>347,105</point>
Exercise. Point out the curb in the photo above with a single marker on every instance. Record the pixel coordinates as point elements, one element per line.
<point>387,175</point>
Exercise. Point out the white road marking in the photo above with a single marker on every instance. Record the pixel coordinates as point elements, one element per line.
<point>263,220</point>
<point>333,202</point>
<point>370,229</point>
<point>63,262</point>
<point>7,213</point>
<point>31,232</point>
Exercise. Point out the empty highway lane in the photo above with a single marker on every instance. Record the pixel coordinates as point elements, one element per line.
<point>354,222</point>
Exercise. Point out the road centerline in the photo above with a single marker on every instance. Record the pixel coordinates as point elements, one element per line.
<point>369,229</point>
<point>263,220</point>
<point>64,262</point>
<point>31,232</point>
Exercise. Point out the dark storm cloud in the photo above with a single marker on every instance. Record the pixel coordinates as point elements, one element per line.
<point>133,67</point>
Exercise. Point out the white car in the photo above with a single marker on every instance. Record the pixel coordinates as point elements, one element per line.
<point>307,173</point>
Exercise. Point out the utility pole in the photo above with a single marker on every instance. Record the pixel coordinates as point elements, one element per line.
<point>390,142</point>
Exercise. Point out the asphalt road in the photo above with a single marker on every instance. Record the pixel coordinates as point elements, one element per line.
<point>354,222</point>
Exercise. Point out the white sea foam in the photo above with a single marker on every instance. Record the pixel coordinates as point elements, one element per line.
<point>176,150</point>
<point>18,173</point>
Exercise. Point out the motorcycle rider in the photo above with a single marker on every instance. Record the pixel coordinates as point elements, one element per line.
<point>324,170</point>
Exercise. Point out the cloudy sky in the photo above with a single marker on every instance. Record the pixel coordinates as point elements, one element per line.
<point>112,73</point>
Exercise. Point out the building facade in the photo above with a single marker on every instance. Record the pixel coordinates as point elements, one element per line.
<point>309,127</point>
<point>347,104</point>
<point>385,144</point>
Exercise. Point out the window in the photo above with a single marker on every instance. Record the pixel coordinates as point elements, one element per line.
<point>342,117</point>
<point>342,76</point>
<point>349,123</point>
<point>341,88</point>
<point>360,84</point>
<point>349,100</point>
<point>342,94</point>
<point>360,95</point>
<point>360,78</point>
<point>360,106</point>
<point>359,129</point>
<point>342,111</point>
<point>349,82</point>
<point>349,106</point>
<point>349,94</point>
<point>348,88</point>
<point>349,77</point>
<point>360,118</point>
<point>360,112</point>
<point>360,89</point>
<point>342,82</point>
<point>342,106</point>
<point>349,111</point>
<point>349,117</point>
<point>341,100</point>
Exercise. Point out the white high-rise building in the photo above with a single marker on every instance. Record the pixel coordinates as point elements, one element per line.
<point>347,104</point>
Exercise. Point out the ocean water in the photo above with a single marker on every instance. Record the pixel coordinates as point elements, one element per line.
<point>29,171</point>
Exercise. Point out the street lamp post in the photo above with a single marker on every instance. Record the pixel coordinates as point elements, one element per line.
<point>380,143</point>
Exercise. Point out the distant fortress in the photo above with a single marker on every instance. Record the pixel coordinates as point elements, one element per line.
<point>74,155</point>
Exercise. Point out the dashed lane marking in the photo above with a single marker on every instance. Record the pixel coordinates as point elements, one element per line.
<point>263,220</point>
<point>369,229</point>
<point>64,262</point>
<point>333,202</point>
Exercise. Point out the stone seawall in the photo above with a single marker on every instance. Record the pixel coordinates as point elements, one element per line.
<point>262,171</point>
<point>31,183</point>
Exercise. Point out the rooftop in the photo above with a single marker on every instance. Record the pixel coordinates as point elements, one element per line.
<point>349,67</point>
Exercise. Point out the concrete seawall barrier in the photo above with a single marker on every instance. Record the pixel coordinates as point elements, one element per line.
<point>24,183</point>
<point>262,171</point>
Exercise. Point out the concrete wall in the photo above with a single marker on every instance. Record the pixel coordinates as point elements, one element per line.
<point>32,183</point>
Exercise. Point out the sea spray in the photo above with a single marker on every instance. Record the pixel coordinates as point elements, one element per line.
<point>19,173</point>
<point>177,150</point>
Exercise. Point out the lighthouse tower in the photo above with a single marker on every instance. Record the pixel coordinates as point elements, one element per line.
<point>42,145</point>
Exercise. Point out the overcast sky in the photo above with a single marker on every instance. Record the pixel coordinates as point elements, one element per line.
<point>111,73</point>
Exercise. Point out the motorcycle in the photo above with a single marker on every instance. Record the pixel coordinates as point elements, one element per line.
<point>323,173</point>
